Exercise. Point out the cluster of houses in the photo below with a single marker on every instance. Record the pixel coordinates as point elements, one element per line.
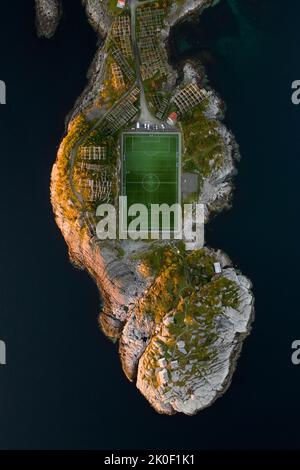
<point>120,33</point>
<point>122,62</point>
<point>97,187</point>
<point>122,112</point>
<point>117,77</point>
<point>189,96</point>
<point>185,99</point>
<point>93,152</point>
<point>153,57</point>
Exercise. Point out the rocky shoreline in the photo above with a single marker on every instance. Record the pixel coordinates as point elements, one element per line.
<point>97,16</point>
<point>48,15</point>
<point>138,334</point>
<point>121,282</point>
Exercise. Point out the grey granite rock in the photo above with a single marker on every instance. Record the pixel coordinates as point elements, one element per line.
<point>48,14</point>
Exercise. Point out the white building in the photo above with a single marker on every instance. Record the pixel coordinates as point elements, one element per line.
<point>121,3</point>
<point>181,347</point>
<point>218,268</point>
<point>172,119</point>
<point>162,377</point>
<point>162,362</point>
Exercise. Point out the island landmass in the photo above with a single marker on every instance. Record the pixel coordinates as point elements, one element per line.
<point>180,317</point>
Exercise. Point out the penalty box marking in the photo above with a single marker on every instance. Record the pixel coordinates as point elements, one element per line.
<point>144,140</point>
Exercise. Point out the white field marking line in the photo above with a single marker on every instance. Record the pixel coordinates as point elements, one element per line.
<point>161,182</point>
<point>152,153</point>
<point>128,140</point>
<point>152,141</point>
<point>145,140</point>
<point>135,139</point>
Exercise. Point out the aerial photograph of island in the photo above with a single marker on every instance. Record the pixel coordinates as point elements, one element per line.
<point>149,245</point>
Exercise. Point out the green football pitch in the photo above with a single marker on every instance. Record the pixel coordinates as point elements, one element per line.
<point>151,168</point>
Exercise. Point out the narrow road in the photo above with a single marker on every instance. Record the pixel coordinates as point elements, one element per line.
<point>145,115</point>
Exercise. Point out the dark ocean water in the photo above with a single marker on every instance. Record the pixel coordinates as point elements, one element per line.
<point>63,386</point>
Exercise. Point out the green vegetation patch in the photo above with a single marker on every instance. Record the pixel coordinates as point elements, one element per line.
<point>94,169</point>
<point>77,129</point>
<point>184,301</point>
<point>204,146</point>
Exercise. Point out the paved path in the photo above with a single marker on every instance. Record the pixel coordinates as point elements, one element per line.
<point>145,115</point>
